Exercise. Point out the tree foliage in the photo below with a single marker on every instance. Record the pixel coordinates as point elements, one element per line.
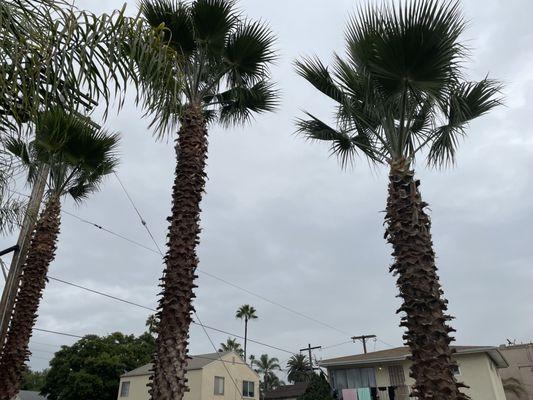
<point>34,380</point>
<point>232,345</point>
<point>299,369</point>
<point>90,369</point>
<point>318,389</point>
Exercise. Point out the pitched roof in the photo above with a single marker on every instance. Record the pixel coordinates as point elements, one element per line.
<point>196,362</point>
<point>287,391</point>
<point>29,395</point>
<point>401,353</point>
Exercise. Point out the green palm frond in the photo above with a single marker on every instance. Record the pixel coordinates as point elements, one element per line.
<point>249,51</point>
<point>400,78</point>
<point>239,104</point>
<point>53,54</point>
<point>467,102</point>
<point>221,66</point>
<point>317,74</point>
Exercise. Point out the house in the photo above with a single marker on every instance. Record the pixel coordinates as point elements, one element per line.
<point>287,392</point>
<point>29,395</point>
<point>386,373</point>
<point>520,371</point>
<point>215,376</point>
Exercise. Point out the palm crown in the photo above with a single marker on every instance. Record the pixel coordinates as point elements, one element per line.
<point>400,88</point>
<point>78,153</point>
<point>222,60</point>
<point>266,364</point>
<point>246,312</point>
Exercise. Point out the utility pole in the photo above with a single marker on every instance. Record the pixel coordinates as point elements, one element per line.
<point>310,349</point>
<point>363,338</point>
<point>19,255</point>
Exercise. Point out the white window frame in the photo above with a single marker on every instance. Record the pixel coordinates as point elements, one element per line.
<point>247,393</point>
<point>125,389</point>
<point>215,391</point>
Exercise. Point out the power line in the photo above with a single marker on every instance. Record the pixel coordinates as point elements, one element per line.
<point>58,333</point>
<point>100,293</point>
<point>134,242</point>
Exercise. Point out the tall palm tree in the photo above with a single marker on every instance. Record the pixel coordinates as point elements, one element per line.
<point>246,312</point>
<point>78,156</point>
<point>400,91</point>
<point>299,369</point>
<point>266,366</point>
<point>222,62</point>
<point>232,345</point>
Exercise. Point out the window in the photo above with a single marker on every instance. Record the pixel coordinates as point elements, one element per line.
<point>456,370</point>
<point>125,389</point>
<point>248,389</point>
<point>219,385</point>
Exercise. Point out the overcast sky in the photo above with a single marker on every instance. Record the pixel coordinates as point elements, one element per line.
<point>282,220</point>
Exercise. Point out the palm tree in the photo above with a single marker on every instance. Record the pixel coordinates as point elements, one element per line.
<point>78,156</point>
<point>246,312</point>
<point>222,62</point>
<point>151,324</point>
<point>400,91</point>
<point>232,345</point>
<point>266,366</point>
<point>299,369</point>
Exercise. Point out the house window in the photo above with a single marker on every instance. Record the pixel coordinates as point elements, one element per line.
<point>125,389</point>
<point>219,385</point>
<point>456,370</point>
<point>248,389</point>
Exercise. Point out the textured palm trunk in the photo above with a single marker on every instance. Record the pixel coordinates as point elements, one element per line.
<point>425,319</point>
<point>41,253</point>
<point>175,306</point>
<point>245,336</point>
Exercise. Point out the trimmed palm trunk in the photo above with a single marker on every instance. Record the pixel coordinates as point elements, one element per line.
<point>428,334</point>
<point>245,336</point>
<point>40,254</point>
<point>175,305</point>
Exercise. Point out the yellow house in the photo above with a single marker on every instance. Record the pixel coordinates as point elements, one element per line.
<point>385,374</point>
<point>208,379</point>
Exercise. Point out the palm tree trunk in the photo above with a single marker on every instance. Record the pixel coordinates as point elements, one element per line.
<point>428,334</point>
<point>40,254</point>
<point>245,337</point>
<point>175,305</point>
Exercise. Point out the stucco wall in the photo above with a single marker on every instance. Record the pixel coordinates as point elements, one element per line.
<point>201,382</point>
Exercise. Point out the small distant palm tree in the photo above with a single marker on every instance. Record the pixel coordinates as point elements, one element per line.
<point>246,312</point>
<point>78,156</point>
<point>400,93</point>
<point>299,369</point>
<point>232,345</point>
<point>266,366</point>
<point>221,65</point>
<point>151,324</point>
<point>514,386</point>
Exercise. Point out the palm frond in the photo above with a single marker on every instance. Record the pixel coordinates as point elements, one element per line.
<point>175,19</point>
<point>466,102</point>
<point>212,21</point>
<point>238,105</point>
<point>249,50</point>
<point>317,74</point>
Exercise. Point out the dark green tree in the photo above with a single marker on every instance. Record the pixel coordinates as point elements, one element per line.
<point>90,369</point>
<point>266,366</point>
<point>318,389</point>
<point>222,66</point>
<point>232,345</point>
<point>33,380</point>
<point>247,313</point>
<point>401,93</point>
<point>299,369</point>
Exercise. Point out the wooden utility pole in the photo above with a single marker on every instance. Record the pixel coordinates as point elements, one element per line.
<point>19,256</point>
<point>310,349</point>
<point>363,338</point>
